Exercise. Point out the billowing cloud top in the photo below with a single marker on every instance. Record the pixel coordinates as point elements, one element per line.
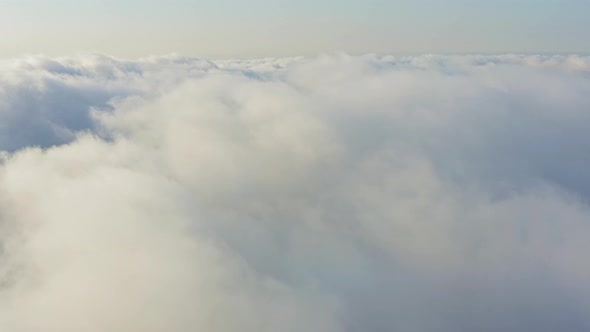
<point>337,193</point>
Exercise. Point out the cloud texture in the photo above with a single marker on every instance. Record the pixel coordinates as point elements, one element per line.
<point>336,193</point>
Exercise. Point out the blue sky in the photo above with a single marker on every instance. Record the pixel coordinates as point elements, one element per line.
<point>133,28</point>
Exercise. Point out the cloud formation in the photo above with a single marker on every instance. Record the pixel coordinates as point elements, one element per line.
<point>336,193</point>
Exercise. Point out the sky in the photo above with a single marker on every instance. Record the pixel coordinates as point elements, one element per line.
<point>233,28</point>
<point>263,166</point>
<point>334,193</point>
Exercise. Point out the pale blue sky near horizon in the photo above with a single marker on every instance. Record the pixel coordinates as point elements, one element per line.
<point>232,28</point>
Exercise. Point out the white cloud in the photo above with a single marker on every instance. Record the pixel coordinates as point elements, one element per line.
<point>336,193</point>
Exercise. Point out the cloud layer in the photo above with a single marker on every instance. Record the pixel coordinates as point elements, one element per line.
<point>336,193</point>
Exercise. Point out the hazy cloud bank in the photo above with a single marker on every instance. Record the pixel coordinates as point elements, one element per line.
<point>337,193</point>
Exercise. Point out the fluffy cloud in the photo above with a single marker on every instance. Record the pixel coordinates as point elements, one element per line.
<point>337,193</point>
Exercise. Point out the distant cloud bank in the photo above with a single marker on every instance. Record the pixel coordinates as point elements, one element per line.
<point>335,193</point>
